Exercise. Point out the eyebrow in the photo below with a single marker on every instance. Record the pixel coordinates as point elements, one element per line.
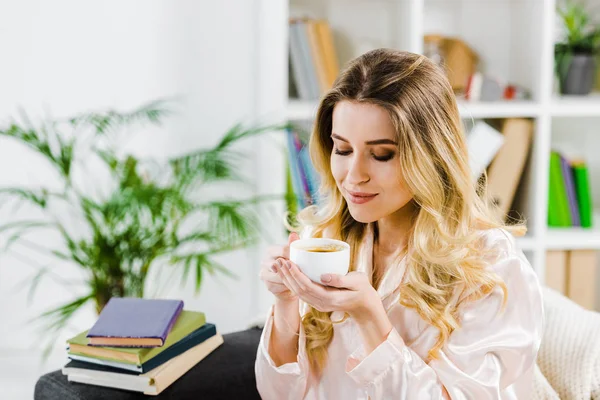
<point>370,142</point>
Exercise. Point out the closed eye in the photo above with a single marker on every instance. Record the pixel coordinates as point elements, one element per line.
<point>385,157</point>
<point>342,153</point>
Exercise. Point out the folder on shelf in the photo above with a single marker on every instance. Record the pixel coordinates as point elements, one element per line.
<point>582,189</point>
<point>581,282</point>
<point>316,50</point>
<point>483,143</point>
<point>556,270</point>
<point>567,174</point>
<point>559,214</point>
<point>504,174</point>
<point>300,74</point>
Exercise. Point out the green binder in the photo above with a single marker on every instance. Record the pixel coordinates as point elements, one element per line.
<point>559,214</point>
<point>584,195</point>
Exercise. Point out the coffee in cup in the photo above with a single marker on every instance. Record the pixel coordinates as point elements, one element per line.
<point>318,256</point>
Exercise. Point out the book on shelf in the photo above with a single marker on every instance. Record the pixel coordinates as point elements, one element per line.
<point>569,194</point>
<point>145,369</point>
<point>302,175</point>
<point>505,171</point>
<point>583,192</point>
<point>313,61</point>
<point>483,143</point>
<point>573,273</point>
<point>132,322</point>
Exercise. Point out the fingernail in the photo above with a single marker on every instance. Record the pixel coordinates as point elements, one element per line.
<point>326,278</point>
<point>274,267</point>
<point>288,265</point>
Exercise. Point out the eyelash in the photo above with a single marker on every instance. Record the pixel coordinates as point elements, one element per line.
<point>385,158</point>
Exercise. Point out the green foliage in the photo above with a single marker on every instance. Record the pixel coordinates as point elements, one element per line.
<point>144,222</point>
<point>582,36</point>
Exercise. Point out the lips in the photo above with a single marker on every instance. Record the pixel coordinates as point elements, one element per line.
<point>360,197</point>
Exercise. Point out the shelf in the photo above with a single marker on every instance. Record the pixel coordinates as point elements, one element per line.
<point>298,109</point>
<point>526,243</point>
<point>573,239</point>
<point>576,106</point>
<point>498,109</point>
<point>301,110</point>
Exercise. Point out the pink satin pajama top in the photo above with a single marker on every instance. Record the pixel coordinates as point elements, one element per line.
<point>491,356</point>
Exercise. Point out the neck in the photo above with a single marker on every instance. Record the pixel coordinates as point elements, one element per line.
<point>393,230</point>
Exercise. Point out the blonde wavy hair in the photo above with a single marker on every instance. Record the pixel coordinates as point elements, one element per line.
<point>443,252</point>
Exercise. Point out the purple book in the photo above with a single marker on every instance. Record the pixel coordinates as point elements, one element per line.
<point>132,322</point>
<point>567,174</point>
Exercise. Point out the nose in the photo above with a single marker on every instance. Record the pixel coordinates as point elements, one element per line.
<point>357,171</point>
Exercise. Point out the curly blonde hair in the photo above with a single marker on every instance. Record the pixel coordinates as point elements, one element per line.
<point>443,251</point>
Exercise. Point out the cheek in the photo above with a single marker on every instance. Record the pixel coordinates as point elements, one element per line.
<point>338,168</point>
<point>392,179</point>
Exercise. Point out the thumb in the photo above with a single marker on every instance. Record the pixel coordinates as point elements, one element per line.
<point>350,281</point>
<point>293,237</point>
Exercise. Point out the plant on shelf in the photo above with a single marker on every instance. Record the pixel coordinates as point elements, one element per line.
<point>575,57</point>
<point>145,221</point>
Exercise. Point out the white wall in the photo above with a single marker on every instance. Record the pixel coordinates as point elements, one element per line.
<point>69,56</point>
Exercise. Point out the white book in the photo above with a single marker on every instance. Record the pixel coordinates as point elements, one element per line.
<point>152,382</point>
<point>107,363</point>
<point>483,143</point>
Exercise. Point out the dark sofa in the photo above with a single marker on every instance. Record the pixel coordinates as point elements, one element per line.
<point>227,373</point>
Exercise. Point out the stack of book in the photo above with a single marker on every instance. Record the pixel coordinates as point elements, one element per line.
<point>140,345</point>
<point>313,61</point>
<point>569,194</point>
<point>303,180</point>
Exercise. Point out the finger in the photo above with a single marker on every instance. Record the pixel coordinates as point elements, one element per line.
<point>269,276</point>
<point>352,281</point>
<point>315,293</point>
<point>288,279</point>
<point>291,238</point>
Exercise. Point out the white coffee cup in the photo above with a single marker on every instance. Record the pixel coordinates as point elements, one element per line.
<point>315,263</point>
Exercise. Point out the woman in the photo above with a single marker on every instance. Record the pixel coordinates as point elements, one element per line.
<point>439,303</point>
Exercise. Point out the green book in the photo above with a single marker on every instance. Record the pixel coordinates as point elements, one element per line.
<point>584,195</point>
<point>559,214</point>
<point>187,322</point>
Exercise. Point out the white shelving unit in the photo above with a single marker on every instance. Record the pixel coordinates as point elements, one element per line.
<point>515,41</point>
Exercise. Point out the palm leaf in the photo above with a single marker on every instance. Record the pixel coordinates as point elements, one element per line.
<point>110,120</point>
<point>39,197</point>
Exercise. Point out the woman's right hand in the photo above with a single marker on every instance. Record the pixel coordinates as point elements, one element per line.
<point>269,271</point>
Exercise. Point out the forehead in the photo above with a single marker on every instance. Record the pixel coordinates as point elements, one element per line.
<point>363,121</point>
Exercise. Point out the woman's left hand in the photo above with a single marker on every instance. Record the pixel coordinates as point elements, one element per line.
<point>352,293</point>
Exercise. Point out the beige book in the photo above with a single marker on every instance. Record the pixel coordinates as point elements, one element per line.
<point>331,59</point>
<point>556,270</point>
<point>316,50</point>
<point>504,173</point>
<point>152,382</point>
<point>581,281</point>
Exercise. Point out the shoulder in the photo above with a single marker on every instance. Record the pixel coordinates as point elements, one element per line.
<point>508,261</point>
<point>501,248</point>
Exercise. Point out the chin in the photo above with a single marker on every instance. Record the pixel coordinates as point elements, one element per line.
<point>362,216</point>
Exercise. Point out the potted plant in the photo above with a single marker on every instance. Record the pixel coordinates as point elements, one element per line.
<point>575,56</point>
<point>143,221</point>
